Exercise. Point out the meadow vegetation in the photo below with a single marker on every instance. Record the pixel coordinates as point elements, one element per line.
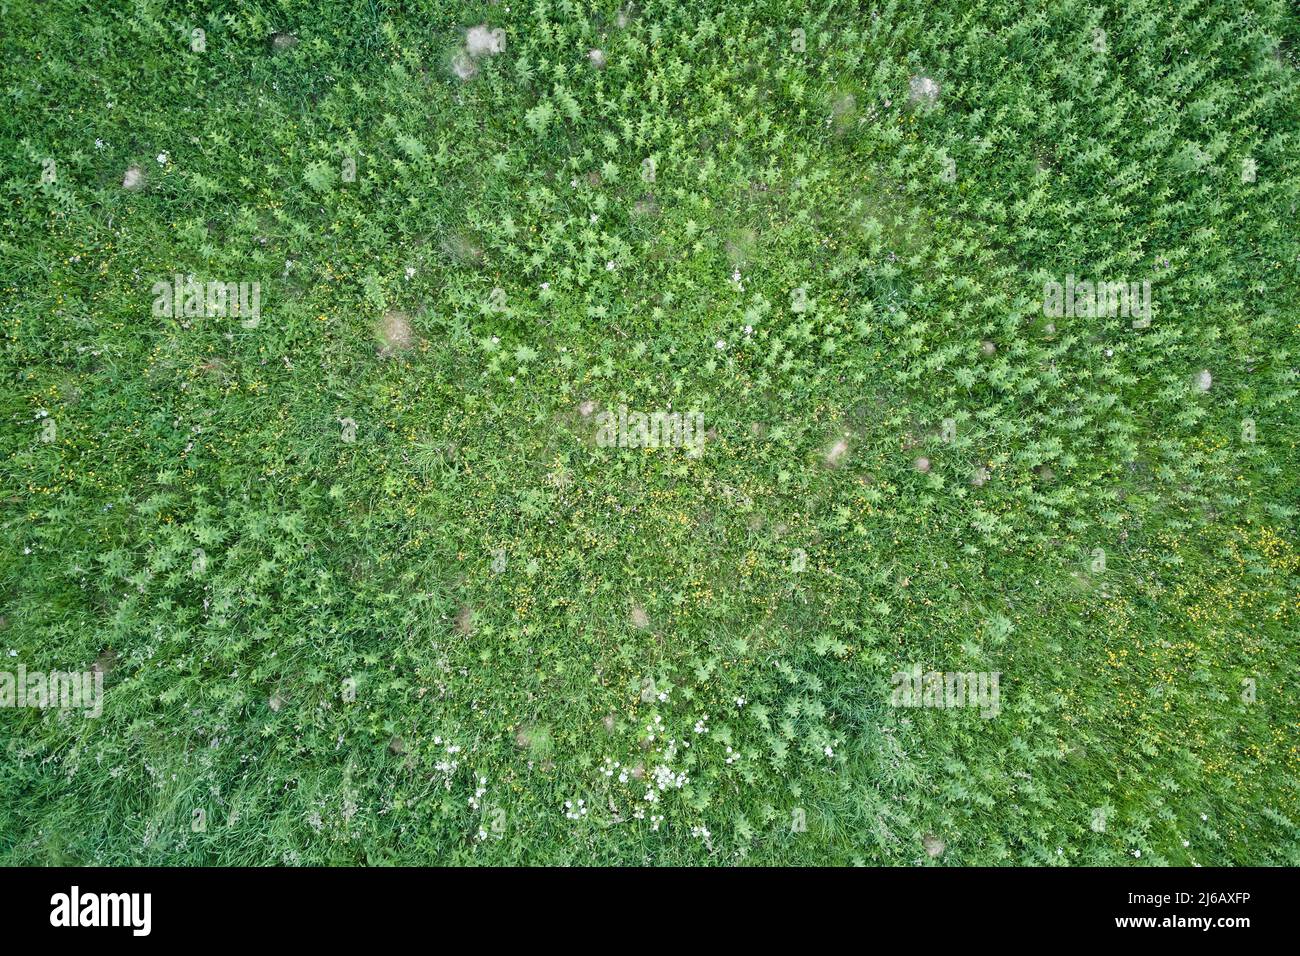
<point>364,586</point>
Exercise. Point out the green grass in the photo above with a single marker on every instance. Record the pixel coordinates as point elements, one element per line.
<point>485,576</point>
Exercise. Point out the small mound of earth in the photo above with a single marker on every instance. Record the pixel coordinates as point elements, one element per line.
<point>465,621</point>
<point>934,847</point>
<point>133,178</point>
<point>835,456</point>
<point>106,662</point>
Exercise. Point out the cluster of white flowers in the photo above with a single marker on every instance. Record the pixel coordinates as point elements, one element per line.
<point>575,813</point>
<point>665,778</point>
<point>655,818</point>
<point>447,767</point>
<point>660,779</point>
<point>654,727</point>
<point>732,756</point>
<point>478,793</point>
